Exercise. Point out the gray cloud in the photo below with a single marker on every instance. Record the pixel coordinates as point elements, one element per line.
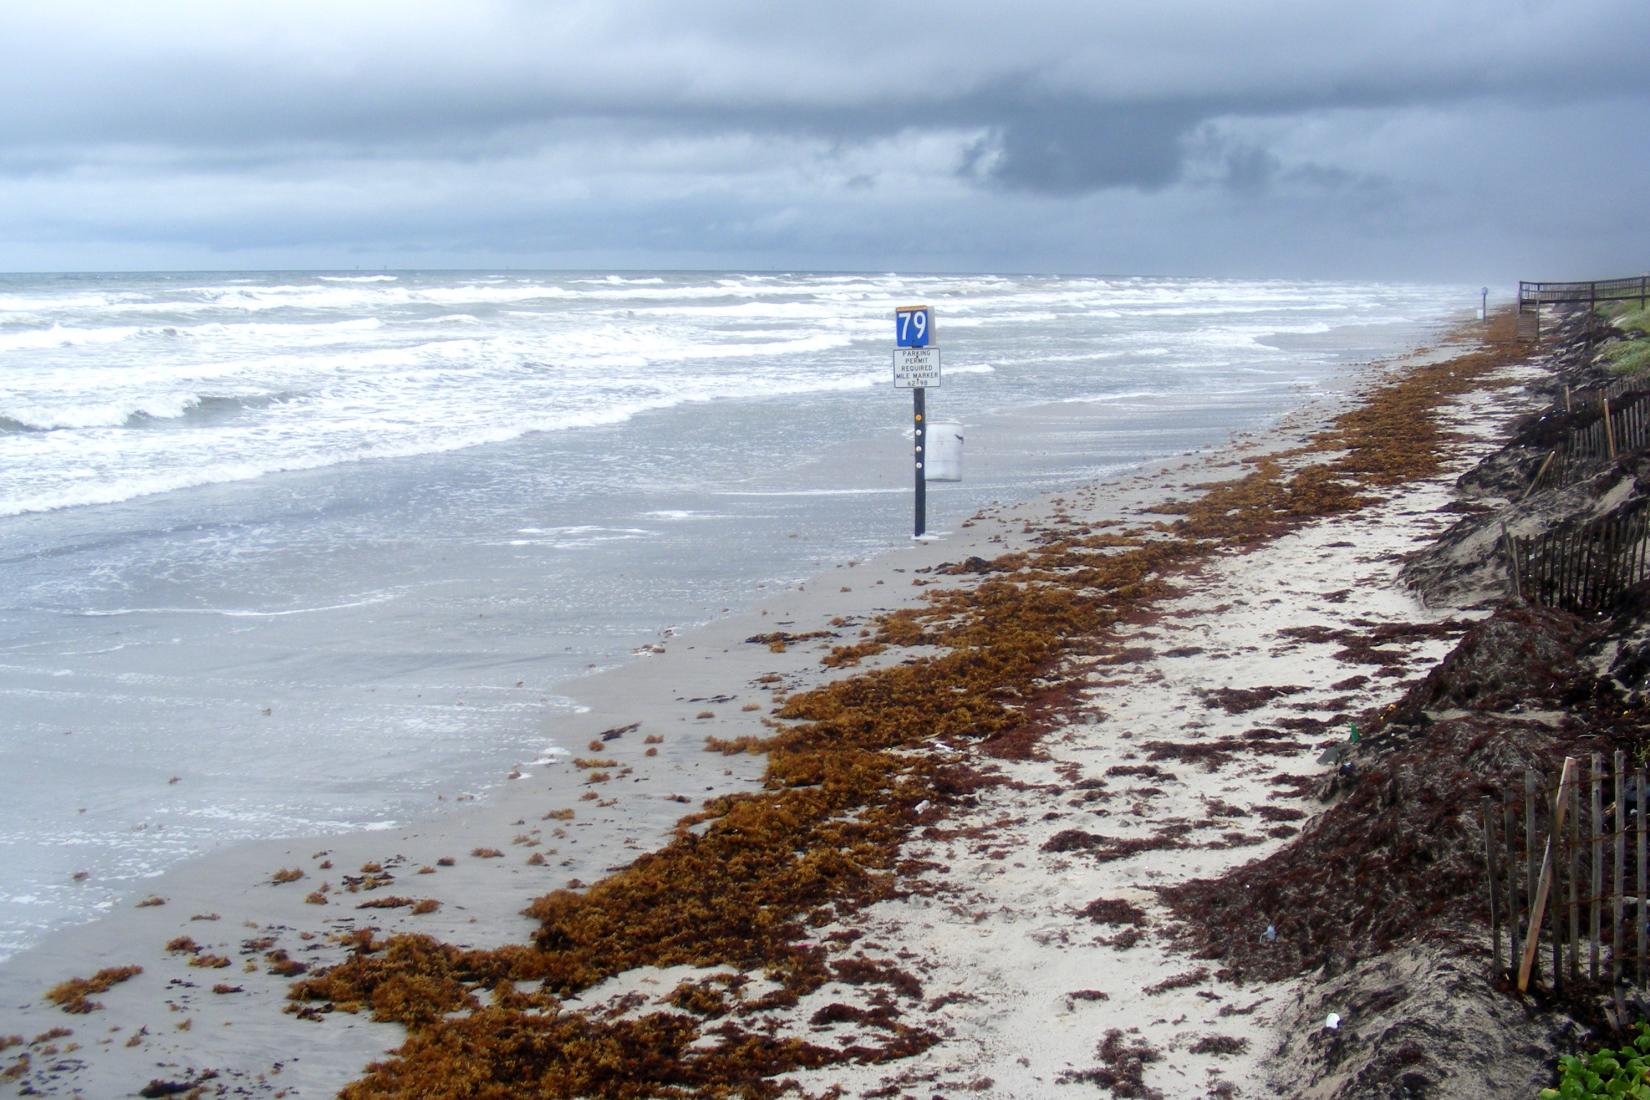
<point>820,136</point>
<point>1070,148</point>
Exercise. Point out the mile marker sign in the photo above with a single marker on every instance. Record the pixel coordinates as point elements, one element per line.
<point>916,357</point>
<point>913,327</point>
<point>917,367</point>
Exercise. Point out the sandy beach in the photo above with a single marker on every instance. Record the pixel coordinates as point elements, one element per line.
<point>1013,944</point>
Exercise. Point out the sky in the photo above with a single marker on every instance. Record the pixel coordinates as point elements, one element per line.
<point>1408,139</point>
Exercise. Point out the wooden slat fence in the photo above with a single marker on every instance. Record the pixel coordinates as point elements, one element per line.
<point>1533,295</point>
<point>1583,567</point>
<point>1565,876</point>
<point>1622,427</point>
<point>1590,401</point>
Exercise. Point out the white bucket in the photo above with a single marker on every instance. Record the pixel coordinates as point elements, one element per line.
<point>945,446</point>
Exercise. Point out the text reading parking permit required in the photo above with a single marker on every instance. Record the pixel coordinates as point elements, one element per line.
<point>917,368</point>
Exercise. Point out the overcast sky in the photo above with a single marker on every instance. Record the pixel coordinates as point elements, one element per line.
<point>1408,139</point>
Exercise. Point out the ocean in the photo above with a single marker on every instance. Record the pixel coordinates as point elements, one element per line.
<point>293,553</point>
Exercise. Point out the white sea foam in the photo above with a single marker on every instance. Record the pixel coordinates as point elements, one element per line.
<point>1108,398</point>
<point>849,492</point>
<point>573,538</point>
<point>48,303</point>
<point>57,336</point>
<point>236,613</point>
<point>677,515</point>
<point>211,382</point>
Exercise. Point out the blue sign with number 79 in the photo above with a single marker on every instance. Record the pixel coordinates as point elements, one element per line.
<point>913,327</point>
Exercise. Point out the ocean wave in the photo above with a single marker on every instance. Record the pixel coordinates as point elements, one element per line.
<point>678,515</point>
<point>811,311</point>
<point>213,408</point>
<point>186,471</point>
<point>281,331</point>
<point>621,280</point>
<point>140,412</point>
<point>230,612</point>
<point>449,318</point>
<point>575,537</point>
<point>372,293</point>
<point>57,303</point>
<point>1105,398</point>
<point>1237,309</point>
<point>365,296</point>
<point>370,366</point>
<point>684,350</point>
<point>336,430</point>
<point>1143,352</point>
<point>98,414</point>
<point>59,337</point>
<point>809,492</point>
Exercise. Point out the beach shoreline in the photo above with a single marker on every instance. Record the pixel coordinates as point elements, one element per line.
<point>327,648</point>
<point>714,680</point>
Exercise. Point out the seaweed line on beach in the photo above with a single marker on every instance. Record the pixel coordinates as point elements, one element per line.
<point>747,884</point>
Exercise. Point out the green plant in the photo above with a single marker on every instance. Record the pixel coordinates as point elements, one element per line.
<point>1605,1072</point>
<point>1629,319</point>
<point>1628,356</point>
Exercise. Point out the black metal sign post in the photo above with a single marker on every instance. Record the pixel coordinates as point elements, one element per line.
<point>920,421</point>
<point>917,366</point>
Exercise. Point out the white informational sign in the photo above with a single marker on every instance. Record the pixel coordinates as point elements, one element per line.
<point>917,368</point>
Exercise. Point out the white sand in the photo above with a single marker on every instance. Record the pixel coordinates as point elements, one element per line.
<point>1000,936</point>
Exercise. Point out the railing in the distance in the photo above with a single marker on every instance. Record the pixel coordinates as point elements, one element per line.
<point>1532,296</point>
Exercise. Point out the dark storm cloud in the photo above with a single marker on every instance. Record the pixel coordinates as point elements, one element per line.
<point>1071,147</point>
<point>377,124</point>
<point>1075,91</point>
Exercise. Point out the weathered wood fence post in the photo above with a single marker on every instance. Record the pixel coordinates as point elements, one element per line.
<point>1538,903</point>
